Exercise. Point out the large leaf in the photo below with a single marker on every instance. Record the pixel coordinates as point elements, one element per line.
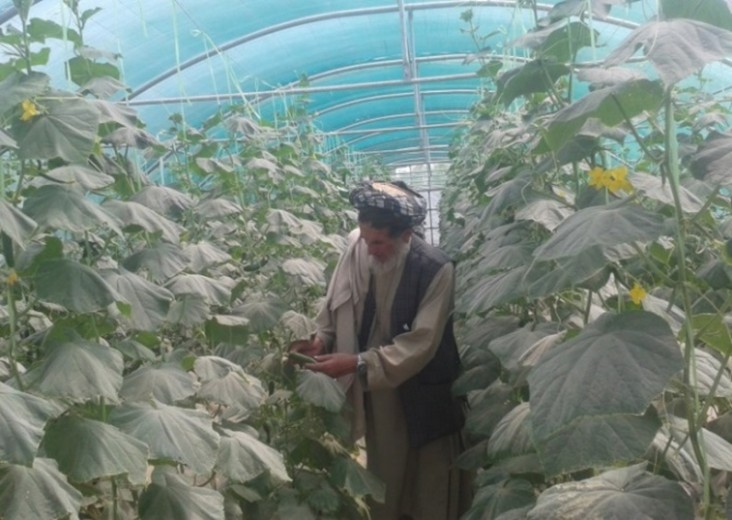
<point>217,208</point>
<point>203,255</point>
<point>506,495</point>
<point>18,87</point>
<point>66,129</point>
<point>66,208</point>
<point>22,418</point>
<point>164,200</point>
<point>607,226</point>
<point>242,458</point>
<point>628,492</point>
<point>166,383</point>
<point>626,359</point>
<point>76,369</point>
<point>677,48</point>
<point>609,105</point>
<point>559,42</point>
<point>547,212</point>
<point>39,493</point>
<point>15,224</point>
<point>87,450</point>
<point>188,310</point>
<point>212,291</point>
<point>226,383</point>
<point>133,214</point>
<point>263,310</point>
<point>149,303</point>
<point>170,496</point>
<point>711,160</point>
<point>512,435</point>
<point>320,390</point>
<point>588,268</point>
<point>162,261</point>
<point>535,76</point>
<point>307,271</point>
<point>87,178</point>
<point>659,189</point>
<point>350,475</point>
<point>172,433</point>
<point>73,285</point>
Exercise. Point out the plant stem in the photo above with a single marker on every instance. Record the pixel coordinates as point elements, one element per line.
<point>692,397</point>
<point>12,341</point>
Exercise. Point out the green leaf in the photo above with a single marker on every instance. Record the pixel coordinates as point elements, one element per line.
<point>217,208</point>
<point>715,12</point>
<point>226,383</point>
<point>504,496</point>
<point>619,493</point>
<point>659,189</point>
<point>708,370</point>
<point>627,359</point>
<point>134,215</point>
<point>162,261</point>
<point>677,48</point>
<point>204,255</point>
<point>263,310</point>
<point>41,492</point>
<point>134,350</point>
<point>22,418</point>
<point>172,433</point>
<point>212,291</point>
<point>66,129</point>
<point>586,268</point>
<point>87,178</point>
<point>168,384</point>
<point>18,87</point>
<point>149,302</point>
<point>348,474</point>
<point>610,105</point>
<point>164,200</point>
<point>598,442</point>
<point>87,450</point>
<point>39,30</point>
<point>713,331</point>
<point>243,458</point>
<point>76,369</point>
<point>15,224</point>
<point>73,285</point>
<point>189,310</point>
<point>547,212</point>
<point>83,70</point>
<point>606,226</point>
<point>6,141</point>
<point>320,390</point>
<point>558,42</point>
<point>66,208</point>
<point>307,271</point>
<point>535,76</point>
<point>487,407</point>
<point>512,434</point>
<point>711,159</point>
<point>170,496</point>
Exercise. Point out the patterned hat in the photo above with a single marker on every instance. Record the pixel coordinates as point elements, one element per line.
<point>395,197</point>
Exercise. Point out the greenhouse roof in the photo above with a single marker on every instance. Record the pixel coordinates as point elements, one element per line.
<point>388,78</point>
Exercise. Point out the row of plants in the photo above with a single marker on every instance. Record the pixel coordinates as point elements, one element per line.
<point>144,324</point>
<point>589,209</point>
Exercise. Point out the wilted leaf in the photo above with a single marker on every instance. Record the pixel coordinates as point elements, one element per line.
<point>86,450</point>
<point>172,433</point>
<point>165,383</point>
<point>164,200</point>
<point>22,419</point>
<point>618,493</point>
<point>41,492</point>
<point>243,458</point>
<point>86,178</point>
<point>170,496</point>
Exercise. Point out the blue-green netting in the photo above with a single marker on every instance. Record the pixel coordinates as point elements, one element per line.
<point>392,78</point>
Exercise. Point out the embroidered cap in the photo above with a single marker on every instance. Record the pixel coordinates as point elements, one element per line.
<point>395,197</point>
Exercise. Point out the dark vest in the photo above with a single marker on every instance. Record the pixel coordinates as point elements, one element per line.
<point>430,409</point>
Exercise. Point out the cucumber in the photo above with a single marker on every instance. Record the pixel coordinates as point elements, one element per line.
<point>301,359</point>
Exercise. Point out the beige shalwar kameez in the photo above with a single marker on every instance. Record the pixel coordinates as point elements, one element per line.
<point>421,484</point>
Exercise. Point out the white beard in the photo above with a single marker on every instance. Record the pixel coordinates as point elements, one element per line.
<point>397,259</point>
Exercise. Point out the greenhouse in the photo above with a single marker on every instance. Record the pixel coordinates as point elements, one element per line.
<point>365,259</point>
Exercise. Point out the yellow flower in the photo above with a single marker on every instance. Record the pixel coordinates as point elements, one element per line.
<point>616,179</point>
<point>12,278</point>
<point>596,177</point>
<point>30,110</point>
<point>637,293</point>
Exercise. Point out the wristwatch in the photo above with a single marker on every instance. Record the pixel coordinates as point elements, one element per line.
<point>361,368</point>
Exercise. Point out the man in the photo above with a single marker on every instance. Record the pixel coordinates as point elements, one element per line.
<point>386,333</point>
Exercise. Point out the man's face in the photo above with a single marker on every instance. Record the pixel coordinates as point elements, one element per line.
<point>381,247</point>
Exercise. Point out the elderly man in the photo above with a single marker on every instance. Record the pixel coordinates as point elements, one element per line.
<point>385,332</point>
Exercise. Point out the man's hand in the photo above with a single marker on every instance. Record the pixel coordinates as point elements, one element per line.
<point>334,365</point>
<point>308,347</point>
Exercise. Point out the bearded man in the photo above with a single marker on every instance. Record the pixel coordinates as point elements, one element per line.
<point>386,333</point>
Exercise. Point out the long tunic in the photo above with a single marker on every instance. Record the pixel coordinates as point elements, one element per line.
<point>421,484</point>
